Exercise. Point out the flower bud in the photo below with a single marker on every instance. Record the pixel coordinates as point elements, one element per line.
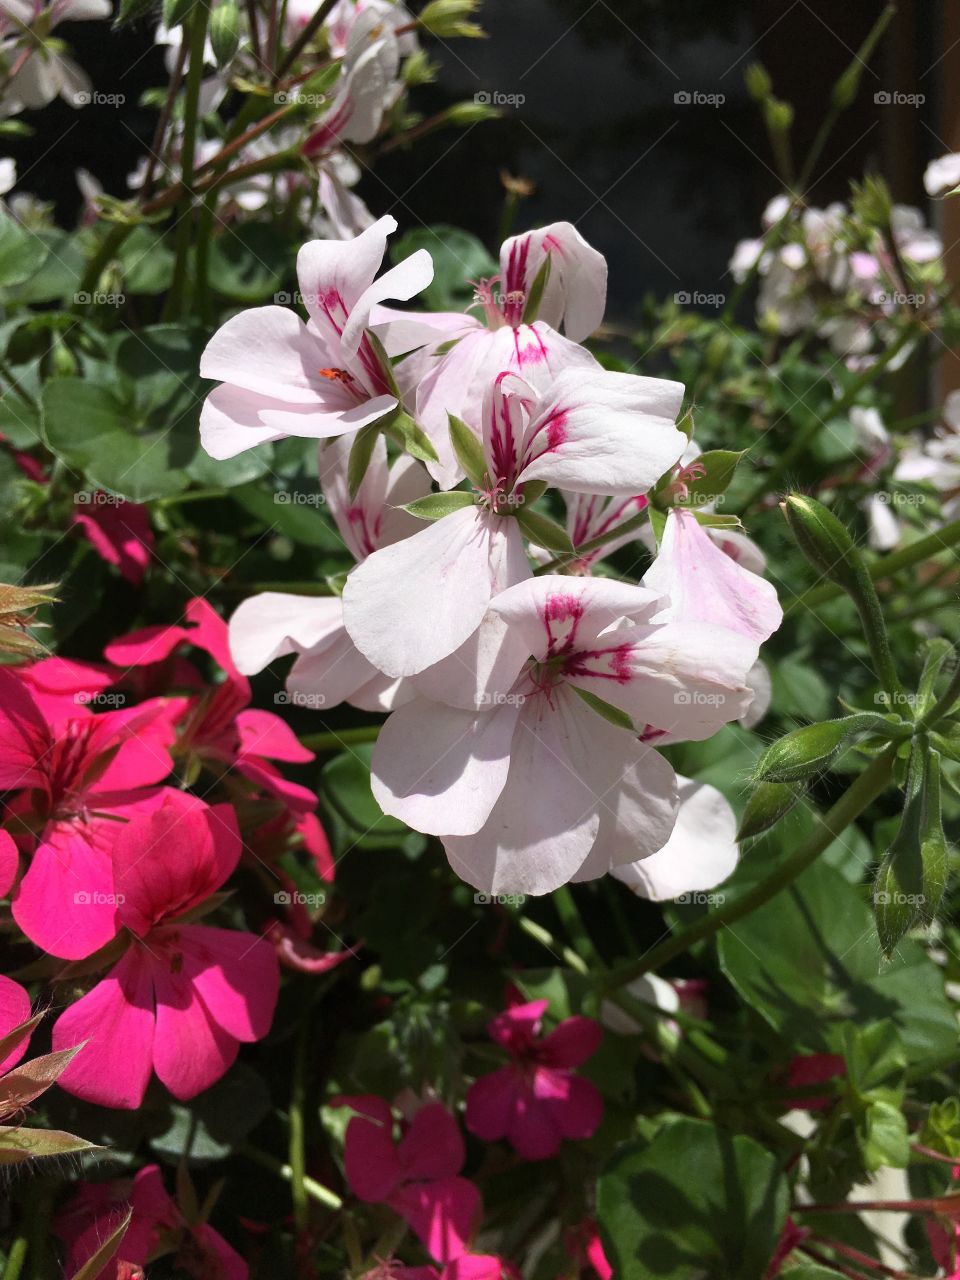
<point>449,18</point>
<point>768,803</point>
<point>802,753</point>
<point>224,31</point>
<point>758,82</point>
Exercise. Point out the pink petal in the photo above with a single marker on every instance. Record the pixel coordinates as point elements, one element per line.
<point>571,1043</point>
<point>575,295</point>
<point>235,974</point>
<point>191,1051</point>
<point>432,1147</point>
<point>518,1026</point>
<point>443,1215</point>
<point>334,274</point>
<point>400,283</point>
<point>117,1020</point>
<point>220,1261</point>
<point>14,1010</point>
<point>9,863</point>
<point>24,736</point>
<point>371,1164</point>
<point>270,351</point>
<point>120,534</point>
<point>264,734</point>
<point>574,1105</point>
<point>440,769</point>
<point>150,644</point>
<point>231,422</point>
<point>490,1104</point>
<point>66,903</point>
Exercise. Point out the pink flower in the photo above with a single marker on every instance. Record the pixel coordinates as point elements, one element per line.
<point>183,996</point>
<point>598,432</point>
<point>14,1012</point>
<point>538,788</point>
<point>457,380</point>
<point>536,1101</point>
<point>119,532</point>
<point>417,1176</point>
<point>97,1209</point>
<point>328,668</point>
<point>586,1248</point>
<point>814,1068</point>
<point>82,775</point>
<point>281,377</point>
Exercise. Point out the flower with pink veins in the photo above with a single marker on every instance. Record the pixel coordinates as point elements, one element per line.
<point>158,1223</point>
<point>79,777</point>
<point>463,354</point>
<point>281,377</point>
<point>329,669</point>
<point>536,1101</point>
<point>183,996</point>
<point>594,432</point>
<point>418,1177</point>
<point>538,787</point>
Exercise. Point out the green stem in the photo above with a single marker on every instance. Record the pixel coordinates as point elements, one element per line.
<point>861,793</point>
<point>21,391</point>
<point>197,36</point>
<point>208,211</point>
<point>575,929</point>
<point>104,255</point>
<point>547,940</point>
<point>304,38</point>
<point>321,742</point>
<point>297,1130</point>
<point>944,704</point>
<point>15,1259</point>
<point>924,548</point>
<point>314,1189</point>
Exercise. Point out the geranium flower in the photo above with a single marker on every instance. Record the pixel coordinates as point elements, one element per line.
<point>282,377</point>
<point>598,432</point>
<point>120,534</point>
<point>80,777</point>
<point>98,1208</point>
<point>329,669</point>
<point>14,1012</point>
<point>417,1176</point>
<point>538,787</point>
<point>536,1101</point>
<point>463,354</point>
<point>183,996</point>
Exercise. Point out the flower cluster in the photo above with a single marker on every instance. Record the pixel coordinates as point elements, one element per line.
<point>528,694</point>
<point>841,274</point>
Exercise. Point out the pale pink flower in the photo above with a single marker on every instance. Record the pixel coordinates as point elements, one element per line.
<point>282,377</point>
<point>183,996</point>
<point>417,1176</point>
<point>329,669</point>
<point>539,787</point>
<point>536,1101</point>
<point>456,378</point>
<point>416,603</point>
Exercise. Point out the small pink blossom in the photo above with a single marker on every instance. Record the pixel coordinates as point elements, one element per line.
<point>183,996</point>
<point>14,1012</point>
<point>417,1176</point>
<point>120,533</point>
<point>537,1101</point>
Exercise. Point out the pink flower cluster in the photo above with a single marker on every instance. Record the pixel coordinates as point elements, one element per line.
<point>527,704</point>
<point>110,858</point>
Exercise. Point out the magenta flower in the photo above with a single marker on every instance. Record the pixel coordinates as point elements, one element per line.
<point>183,996</point>
<point>97,1210</point>
<point>14,1012</point>
<point>536,1101</point>
<point>417,1176</point>
<point>119,532</point>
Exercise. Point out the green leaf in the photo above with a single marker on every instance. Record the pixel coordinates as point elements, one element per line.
<point>18,1144</point>
<point>606,709</point>
<point>361,451</point>
<point>913,874</point>
<point>216,1121</point>
<point>437,505</point>
<point>21,254</point>
<point>534,298</point>
<point>543,531</point>
<point>884,1138</point>
<point>658,523</point>
<point>469,451</point>
<point>250,263</point>
<point>405,433</point>
<point>95,1264</point>
<point>696,1201</point>
<point>719,466</point>
<point>345,784</point>
<point>711,520</point>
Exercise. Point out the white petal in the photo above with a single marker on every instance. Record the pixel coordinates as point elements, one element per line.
<point>575,296</point>
<point>701,853</point>
<point>440,769</point>
<point>329,674</point>
<point>269,350</point>
<point>334,273</point>
<point>273,624</point>
<point>402,282</point>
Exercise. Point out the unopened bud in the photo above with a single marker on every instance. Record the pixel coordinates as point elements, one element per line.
<point>224,31</point>
<point>449,18</point>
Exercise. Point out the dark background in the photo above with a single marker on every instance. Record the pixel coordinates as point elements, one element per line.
<point>663,190</point>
